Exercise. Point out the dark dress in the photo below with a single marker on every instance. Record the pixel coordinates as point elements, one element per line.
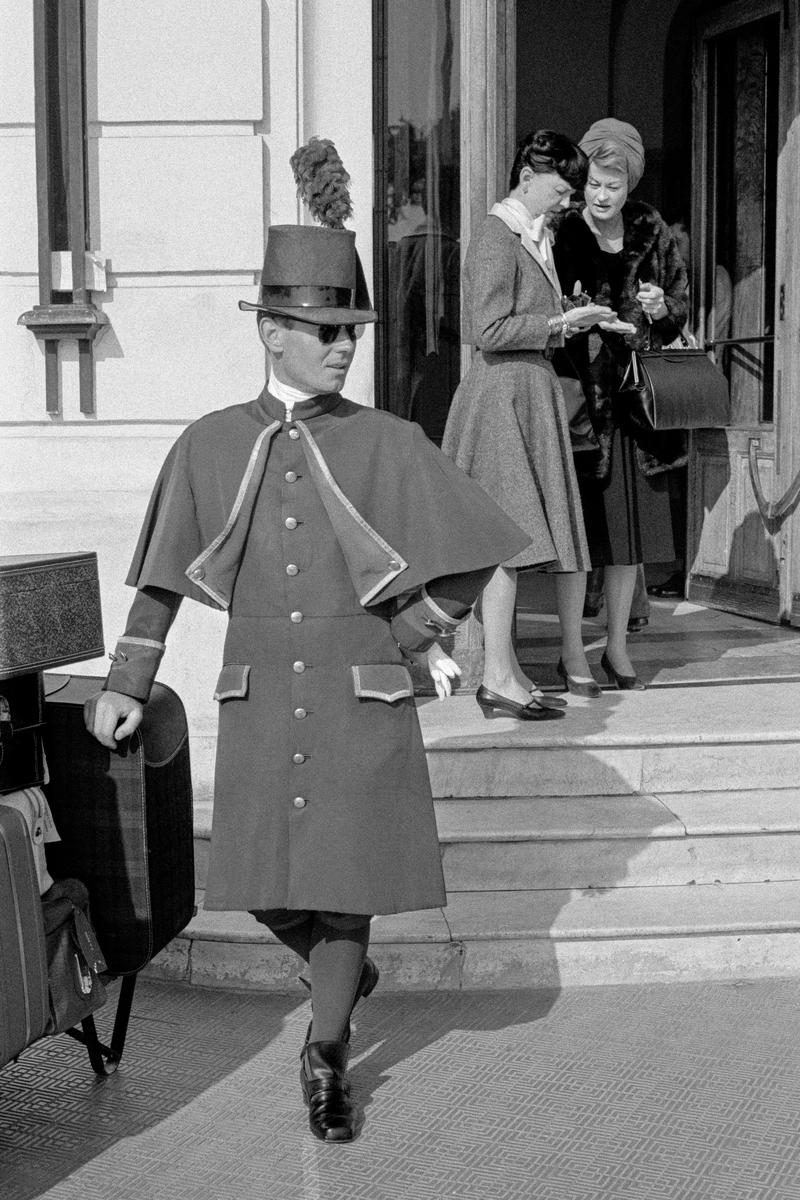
<point>628,514</point>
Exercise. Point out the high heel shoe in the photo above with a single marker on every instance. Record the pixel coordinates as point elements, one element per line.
<point>577,686</point>
<point>626,683</point>
<point>492,705</point>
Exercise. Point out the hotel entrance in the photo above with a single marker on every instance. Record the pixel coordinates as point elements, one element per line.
<point>713,89</point>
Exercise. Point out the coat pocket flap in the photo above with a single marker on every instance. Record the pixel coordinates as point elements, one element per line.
<point>382,681</point>
<point>232,683</point>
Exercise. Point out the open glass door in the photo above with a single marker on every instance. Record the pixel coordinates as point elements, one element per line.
<point>734,553</point>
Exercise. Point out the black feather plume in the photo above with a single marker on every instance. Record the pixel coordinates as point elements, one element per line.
<point>322,182</point>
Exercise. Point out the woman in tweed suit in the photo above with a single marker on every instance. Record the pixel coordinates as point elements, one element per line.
<point>508,427</point>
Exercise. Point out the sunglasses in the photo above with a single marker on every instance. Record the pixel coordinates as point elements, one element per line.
<point>328,334</point>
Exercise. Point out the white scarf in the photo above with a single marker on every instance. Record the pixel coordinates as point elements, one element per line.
<point>533,232</point>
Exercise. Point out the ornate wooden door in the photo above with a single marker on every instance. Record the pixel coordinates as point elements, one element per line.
<point>745,288</point>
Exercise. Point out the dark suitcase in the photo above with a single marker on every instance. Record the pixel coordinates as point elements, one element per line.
<point>21,724</point>
<point>124,818</point>
<point>125,822</point>
<point>24,1004</point>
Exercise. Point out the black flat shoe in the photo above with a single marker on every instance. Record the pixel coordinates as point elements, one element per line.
<point>493,705</point>
<point>635,624</point>
<point>332,1116</point>
<point>672,588</point>
<point>626,683</point>
<point>577,686</point>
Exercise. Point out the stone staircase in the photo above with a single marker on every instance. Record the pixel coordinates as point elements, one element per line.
<point>647,836</point>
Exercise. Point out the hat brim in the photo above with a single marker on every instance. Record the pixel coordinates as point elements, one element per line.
<point>317,316</point>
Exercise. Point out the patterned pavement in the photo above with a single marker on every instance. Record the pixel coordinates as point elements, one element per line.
<point>678,1092</point>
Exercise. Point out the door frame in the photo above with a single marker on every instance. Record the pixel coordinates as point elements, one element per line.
<point>775,445</point>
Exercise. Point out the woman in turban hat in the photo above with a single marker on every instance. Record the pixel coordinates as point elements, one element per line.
<point>622,253</point>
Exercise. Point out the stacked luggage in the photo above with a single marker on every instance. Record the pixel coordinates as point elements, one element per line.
<point>99,898</point>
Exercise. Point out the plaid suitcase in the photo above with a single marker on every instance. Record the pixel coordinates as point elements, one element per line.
<point>24,1005</point>
<point>124,818</point>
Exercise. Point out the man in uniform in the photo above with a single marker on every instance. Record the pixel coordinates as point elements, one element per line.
<point>338,539</point>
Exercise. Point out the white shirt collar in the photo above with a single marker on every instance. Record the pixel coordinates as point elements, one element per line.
<point>288,396</point>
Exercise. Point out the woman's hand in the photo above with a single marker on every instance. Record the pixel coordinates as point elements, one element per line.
<point>651,298</point>
<point>617,326</point>
<point>578,320</point>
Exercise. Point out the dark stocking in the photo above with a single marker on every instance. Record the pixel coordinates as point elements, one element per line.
<point>336,958</point>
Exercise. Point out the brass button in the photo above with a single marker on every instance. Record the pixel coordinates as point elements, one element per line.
<point>292,569</point>
<point>291,477</point>
<point>299,802</point>
<point>394,565</point>
<point>294,434</point>
<point>298,758</point>
<point>296,617</point>
<point>198,573</point>
<point>300,713</point>
<point>291,522</point>
<point>298,668</point>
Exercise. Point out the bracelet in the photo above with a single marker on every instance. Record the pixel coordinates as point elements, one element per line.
<point>556,325</point>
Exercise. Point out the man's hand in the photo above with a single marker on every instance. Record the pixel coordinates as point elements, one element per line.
<point>112,716</point>
<point>443,669</point>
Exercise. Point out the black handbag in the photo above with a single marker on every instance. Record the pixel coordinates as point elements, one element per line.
<point>677,387</point>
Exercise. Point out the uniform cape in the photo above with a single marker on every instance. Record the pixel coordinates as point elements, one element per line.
<point>401,511</point>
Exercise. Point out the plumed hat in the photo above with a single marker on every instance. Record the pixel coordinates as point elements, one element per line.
<point>623,137</point>
<point>314,272</point>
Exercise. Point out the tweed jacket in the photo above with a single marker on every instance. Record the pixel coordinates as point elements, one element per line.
<point>507,426</point>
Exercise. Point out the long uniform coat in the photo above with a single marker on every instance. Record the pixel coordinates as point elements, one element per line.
<point>310,531</point>
<point>628,514</point>
<point>507,426</point>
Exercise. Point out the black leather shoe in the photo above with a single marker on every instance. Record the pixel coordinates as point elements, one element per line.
<point>493,705</point>
<point>675,587</point>
<point>332,1116</point>
<point>626,683</point>
<point>577,686</point>
<point>636,624</point>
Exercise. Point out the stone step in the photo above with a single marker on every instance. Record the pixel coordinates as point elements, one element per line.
<point>658,741</point>
<point>515,843</point>
<point>556,843</point>
<point>543,938</point>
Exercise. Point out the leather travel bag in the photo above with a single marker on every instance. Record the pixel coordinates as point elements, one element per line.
<point>673,388</point>
<point>74,958</point>
<point>24,1007</point>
